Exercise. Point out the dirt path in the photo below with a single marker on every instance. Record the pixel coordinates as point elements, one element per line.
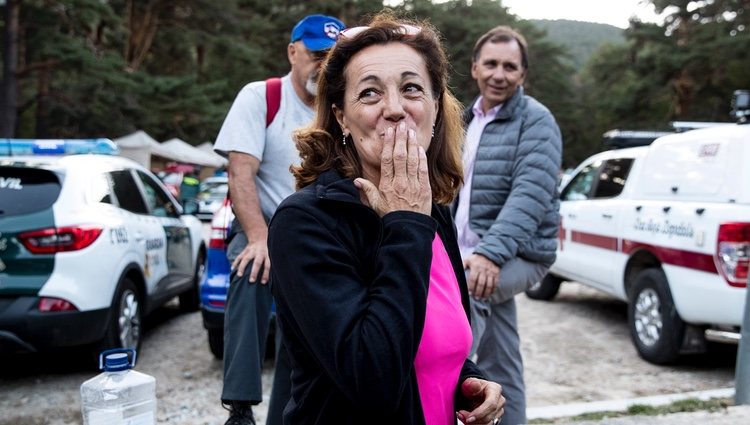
<point>576,348</point>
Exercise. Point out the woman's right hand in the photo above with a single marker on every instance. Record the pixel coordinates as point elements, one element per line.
<point>404,179</point>
<point>486,400</point>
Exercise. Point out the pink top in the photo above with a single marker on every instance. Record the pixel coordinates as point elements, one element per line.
<point>446,341</point>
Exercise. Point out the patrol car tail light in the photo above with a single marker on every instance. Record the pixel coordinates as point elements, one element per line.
<point>60,239</point>
<point>220,226</point>
<point>47,304</point>
<point>218,234</point>
<point>733,252</point>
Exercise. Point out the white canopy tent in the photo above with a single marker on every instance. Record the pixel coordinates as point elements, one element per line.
<point>191,154</point>
<point>140,147</point>
<point>208,148</point>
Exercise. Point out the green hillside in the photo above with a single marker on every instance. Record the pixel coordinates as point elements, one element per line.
<point>581,39</point>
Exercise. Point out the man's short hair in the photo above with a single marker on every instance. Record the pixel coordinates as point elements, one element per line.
<point>502,34</point>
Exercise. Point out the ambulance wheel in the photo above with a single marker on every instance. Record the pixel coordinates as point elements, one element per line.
<point>216,342</point>
<point>126,318</point>
<point>190,300</point>
<point>655,327</point>
<point>545,289</point>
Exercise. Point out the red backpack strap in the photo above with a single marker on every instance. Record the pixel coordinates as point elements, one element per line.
<point>273,99</point>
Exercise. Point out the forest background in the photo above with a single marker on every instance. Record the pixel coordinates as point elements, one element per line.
<point>105,68</point>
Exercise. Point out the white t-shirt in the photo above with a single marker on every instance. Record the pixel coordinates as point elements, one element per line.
<point>244,130</point>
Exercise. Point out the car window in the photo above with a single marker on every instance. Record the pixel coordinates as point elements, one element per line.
<point>216,192</point>
<point>212,182</point>
<point>612,177</point>
<point>100,190</point>
<point>581,184</point>
<point>27,190</point>
<point>157,199</point>
<point>127,192</point>
<point>172,178</point>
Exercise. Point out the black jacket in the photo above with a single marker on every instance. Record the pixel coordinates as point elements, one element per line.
<point>351,294</point>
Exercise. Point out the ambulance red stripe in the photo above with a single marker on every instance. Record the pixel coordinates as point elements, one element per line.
<point>672,256</point>
<point>675,257</point>
<point>592,239</point>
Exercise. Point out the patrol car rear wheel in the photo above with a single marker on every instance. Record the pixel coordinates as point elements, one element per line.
<point>125,326</point>
<point>191,300</point>
<point>655,326</point>
<point>545,289</point>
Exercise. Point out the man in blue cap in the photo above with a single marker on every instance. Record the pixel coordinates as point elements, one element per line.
<point>256,138</point>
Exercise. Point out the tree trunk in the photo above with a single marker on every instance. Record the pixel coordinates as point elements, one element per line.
<point>9,95</point>
<point>42,104</point>
<point>684,87</point>
<point>142,30</point>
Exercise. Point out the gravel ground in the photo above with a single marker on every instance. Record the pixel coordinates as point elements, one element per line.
<point>576,349</point>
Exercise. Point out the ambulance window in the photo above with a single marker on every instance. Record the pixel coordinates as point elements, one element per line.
<point>127,192</point>
<point>27,190</point>
<point>612,177</point>
<point>157,200</point>
<point>580,185</point>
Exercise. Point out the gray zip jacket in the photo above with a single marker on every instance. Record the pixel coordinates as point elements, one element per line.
<point>514,201</point>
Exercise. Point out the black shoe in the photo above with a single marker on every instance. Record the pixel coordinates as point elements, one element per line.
<point>240,413</point>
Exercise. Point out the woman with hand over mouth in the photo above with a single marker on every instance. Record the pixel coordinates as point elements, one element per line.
<point>370,289</point>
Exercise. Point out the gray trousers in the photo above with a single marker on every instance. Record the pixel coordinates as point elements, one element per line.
<point>494,327</point>
<point>246,321</point>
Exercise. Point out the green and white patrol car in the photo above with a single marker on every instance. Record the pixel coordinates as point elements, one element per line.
<point>89,244</point>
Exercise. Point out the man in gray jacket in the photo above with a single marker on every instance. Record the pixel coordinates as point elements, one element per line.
<point>507,210</point>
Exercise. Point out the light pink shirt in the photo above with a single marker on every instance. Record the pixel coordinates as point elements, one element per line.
<point>445,342</point>
<point>467,239</point>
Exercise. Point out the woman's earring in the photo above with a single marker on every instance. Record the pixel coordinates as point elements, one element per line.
<point>433,132</point>
<point>343,140</point>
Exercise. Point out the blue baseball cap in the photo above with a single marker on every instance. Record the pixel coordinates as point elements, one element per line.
<point>317,32</point>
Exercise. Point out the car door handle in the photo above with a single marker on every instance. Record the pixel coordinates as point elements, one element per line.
<point>139,237</point>
<point>571,216</point>
<point>607,216</point>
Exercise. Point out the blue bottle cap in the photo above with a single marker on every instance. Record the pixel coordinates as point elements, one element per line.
<point>117,359</point>
<point>116,362</point>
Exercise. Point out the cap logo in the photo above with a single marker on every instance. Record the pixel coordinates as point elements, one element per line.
<point>331,30</point>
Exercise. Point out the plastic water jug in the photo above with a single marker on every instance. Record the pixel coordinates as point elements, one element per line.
<point>119,395</point>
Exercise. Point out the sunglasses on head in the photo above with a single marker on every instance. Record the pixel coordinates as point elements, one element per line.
<point>405,29</point>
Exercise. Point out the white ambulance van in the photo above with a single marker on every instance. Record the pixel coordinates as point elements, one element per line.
<point>666,228</point>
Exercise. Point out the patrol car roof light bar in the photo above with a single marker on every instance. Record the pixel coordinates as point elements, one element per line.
<point>741,106</point>
<point>10,147</point>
